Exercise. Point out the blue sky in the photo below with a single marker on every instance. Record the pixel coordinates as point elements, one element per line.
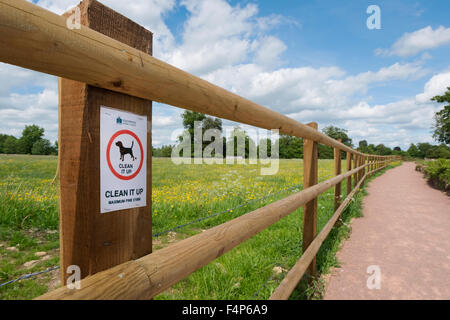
<point>311,60</point>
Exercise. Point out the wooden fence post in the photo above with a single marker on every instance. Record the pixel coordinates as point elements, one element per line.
<point>365,169</point>
<point>355,165</point>
<point>361,159</point>
<point>372,164</point>
<point>337,171</point>
<point>91,240</point>
<point>362,171</point>
<point>349,167</point>
<point>310,178</point>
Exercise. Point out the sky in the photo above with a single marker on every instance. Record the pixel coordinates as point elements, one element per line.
<point>310,60</point>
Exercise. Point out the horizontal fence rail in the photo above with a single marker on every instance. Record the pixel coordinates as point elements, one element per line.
<point>34,38</point>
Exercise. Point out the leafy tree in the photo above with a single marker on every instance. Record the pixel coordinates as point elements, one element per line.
<point>41,147</point>
<point>338,133</point>
<point>371,148</point>
<point>325,152</point>
<point>398,152</point>
<point>424,148</point>
<point>442,119</point>
<point>163,152</point>
<point>363,146</point>
<point>382,150</point>
<point>189,119</point>
<point>212,123</point>
<point>435,152</point>
<point>413,151</point>
<point>3,138</point>
<point>30,135</point>
<point>10,145</point>
<point>55,150</point>
<point>290,147</point>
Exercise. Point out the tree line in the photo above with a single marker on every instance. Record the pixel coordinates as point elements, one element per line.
<point>30,142</point>
<point>292,147</point>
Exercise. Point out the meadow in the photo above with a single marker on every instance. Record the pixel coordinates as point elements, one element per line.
<point>186,200</point>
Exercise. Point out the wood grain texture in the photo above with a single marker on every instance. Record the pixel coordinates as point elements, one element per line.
<point>349,167</point>
<point>91,240</point>
<point>37,39</point>
<point>310,178</point>
<point>372,163</point>
<point>337,171</point>
<point>355,165</point>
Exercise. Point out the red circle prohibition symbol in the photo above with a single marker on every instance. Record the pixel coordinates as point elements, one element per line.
<point>118,133</point>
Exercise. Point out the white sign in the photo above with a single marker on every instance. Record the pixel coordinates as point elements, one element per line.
<point>123,160</point>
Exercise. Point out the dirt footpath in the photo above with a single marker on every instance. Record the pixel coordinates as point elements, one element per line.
<point>405,234</point>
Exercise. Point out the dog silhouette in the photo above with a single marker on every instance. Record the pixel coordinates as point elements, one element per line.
<point>124,151</point>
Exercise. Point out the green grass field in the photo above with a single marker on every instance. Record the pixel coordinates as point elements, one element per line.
<point>181,194</point>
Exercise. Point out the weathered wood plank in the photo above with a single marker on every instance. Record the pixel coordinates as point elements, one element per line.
<point>337,171</point>
<point>310,178</point>
<point>349,167</point>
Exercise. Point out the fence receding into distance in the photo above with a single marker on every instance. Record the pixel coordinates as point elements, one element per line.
<point>34,38</point>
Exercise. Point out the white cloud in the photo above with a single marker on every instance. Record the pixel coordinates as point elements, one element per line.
<point>162,121</point>
<point>218,35</point>
<point>289,90</point>
<point>148,13</point>
<point>412,43</point>
<point>436,86</point>
<point>398,123</point>
<point>15,79</point>
<point>19,110</point>
<point>268,51</point>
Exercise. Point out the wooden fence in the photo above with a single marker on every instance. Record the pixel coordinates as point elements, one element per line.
<point>34,38</point>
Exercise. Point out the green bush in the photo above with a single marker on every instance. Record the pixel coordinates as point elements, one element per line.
<point>438,173</point>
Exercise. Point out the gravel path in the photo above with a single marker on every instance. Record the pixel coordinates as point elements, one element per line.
<point>405,231</point>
